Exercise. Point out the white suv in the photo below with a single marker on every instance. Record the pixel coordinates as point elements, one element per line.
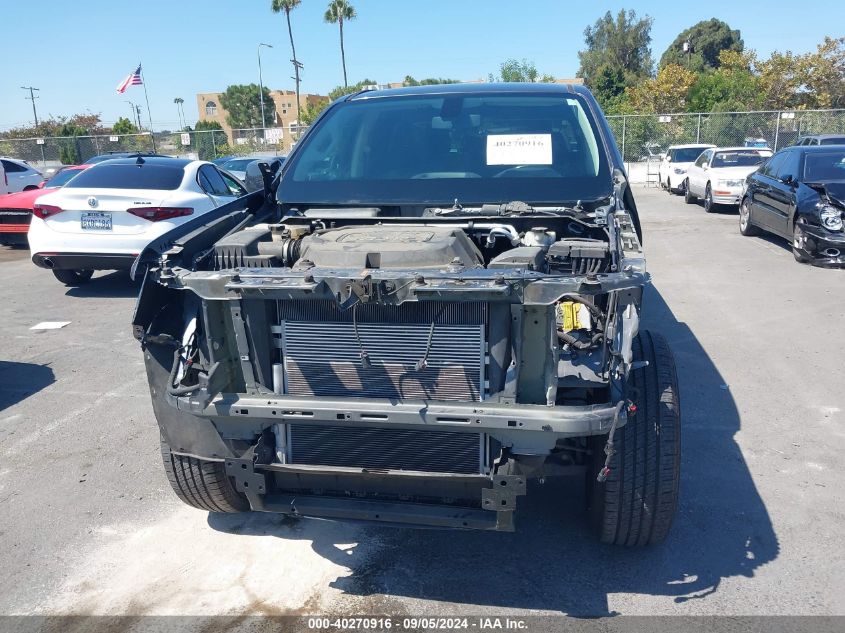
<point>19,176</point>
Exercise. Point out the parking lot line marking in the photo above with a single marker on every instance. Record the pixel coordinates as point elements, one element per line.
<point>50,325</point>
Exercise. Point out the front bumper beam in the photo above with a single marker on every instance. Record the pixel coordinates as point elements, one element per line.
<point>528,429</point>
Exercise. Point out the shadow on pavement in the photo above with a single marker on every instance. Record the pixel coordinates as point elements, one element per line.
<point>18,381</point>
<point>553,562</point>
<point>113,284</point>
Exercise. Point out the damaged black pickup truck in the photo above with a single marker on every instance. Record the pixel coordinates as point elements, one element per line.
<point>432,303</point>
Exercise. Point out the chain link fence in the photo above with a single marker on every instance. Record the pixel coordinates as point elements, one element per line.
<point>642,138</point>
<point>201,144</point>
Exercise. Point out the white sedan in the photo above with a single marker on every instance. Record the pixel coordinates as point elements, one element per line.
<point>18,175</point>
<point>676,162</point>
<point>105,216</point>
<point>718,175</point>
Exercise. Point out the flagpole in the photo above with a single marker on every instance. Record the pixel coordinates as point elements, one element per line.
<point>149,114</point>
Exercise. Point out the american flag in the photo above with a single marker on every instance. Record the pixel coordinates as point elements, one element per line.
<point>132,80</point>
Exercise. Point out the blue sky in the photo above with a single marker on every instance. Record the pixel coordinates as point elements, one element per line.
<point>77,53</point>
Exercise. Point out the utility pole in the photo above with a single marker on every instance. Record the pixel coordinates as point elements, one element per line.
<point>32,98</point>
<point>138,116</point>
<point>261,87</point>
<point>297,66</point>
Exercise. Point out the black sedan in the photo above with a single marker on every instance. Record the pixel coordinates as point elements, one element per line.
<point>799,194</point>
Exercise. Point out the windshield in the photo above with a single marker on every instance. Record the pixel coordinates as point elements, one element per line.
<point>61,178</point>
<point>123,176</point>
<point>737,159</point>
<point>436,149</point>
<point>819,167</point>
<point>686,154</point>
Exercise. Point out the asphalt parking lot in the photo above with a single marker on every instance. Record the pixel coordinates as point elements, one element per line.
<point>89,525</point>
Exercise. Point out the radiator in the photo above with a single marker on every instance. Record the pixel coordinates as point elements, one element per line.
<point>380,448</point>
<point>322,353</point>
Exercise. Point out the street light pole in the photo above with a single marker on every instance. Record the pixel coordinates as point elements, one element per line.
<point>132,110</point>
<point>32,98</point>
<point>261,85</point>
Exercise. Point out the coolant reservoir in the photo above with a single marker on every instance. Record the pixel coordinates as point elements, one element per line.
<point>540,236</point>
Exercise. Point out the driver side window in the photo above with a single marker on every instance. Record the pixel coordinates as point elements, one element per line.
<point>703,159</point>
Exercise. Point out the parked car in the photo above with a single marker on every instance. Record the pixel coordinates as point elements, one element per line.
<point>673,167</point>
<point>112,155</point>
<point>237,165</point>
<point>758,143</point>
<point>397,330</point>
<point>799,194</point>
<point>718,174</point>
<point>652,152</point>
<point>16,208</point>
<point>822,139</point>
<point>19,175</point>
<point>105,216</point>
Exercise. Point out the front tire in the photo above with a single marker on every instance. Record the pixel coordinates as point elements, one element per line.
<point>797,244</point>
<point>73,277</point>
<point>202,484</point>
<point>636,504</point>
<point>688,197</point>
<point>746,226</point>
<point>709,205</point>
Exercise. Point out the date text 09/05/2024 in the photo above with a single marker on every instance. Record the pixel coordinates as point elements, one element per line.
<point>415,623</point>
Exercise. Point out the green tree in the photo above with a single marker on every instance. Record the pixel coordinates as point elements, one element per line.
<point>287,6</point>
<point>243,105</point>
<point>513,70</point>
<point>312,110</point>
<point>733,86</point>
<point>665,93</point>
<point>826,73</point>
<point>340,11</point>
<point>124,126</point>
<point>209,140</point>
<point>619,45</point>
<point>431,81</point>
<point>70,150</point>
<point>609,89</point>
<point>340,91</point>
<point>707,39</point>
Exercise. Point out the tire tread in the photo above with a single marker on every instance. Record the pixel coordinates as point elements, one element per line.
<point>201,484</point>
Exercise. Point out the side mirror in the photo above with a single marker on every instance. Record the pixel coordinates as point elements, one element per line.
<point>789,179</point>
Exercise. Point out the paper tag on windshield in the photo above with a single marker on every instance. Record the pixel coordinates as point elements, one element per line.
<point>519,149</point>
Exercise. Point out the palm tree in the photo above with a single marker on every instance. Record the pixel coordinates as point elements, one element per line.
<point>287,6</point>
<point>338,11</point>
<point>179,101</point>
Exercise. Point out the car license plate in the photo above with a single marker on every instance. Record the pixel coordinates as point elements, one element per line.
<point>96,221</point>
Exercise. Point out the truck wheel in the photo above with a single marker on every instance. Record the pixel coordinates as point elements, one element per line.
<point>636,504</point>
<point>201,484</point>
<point>73,277</point>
